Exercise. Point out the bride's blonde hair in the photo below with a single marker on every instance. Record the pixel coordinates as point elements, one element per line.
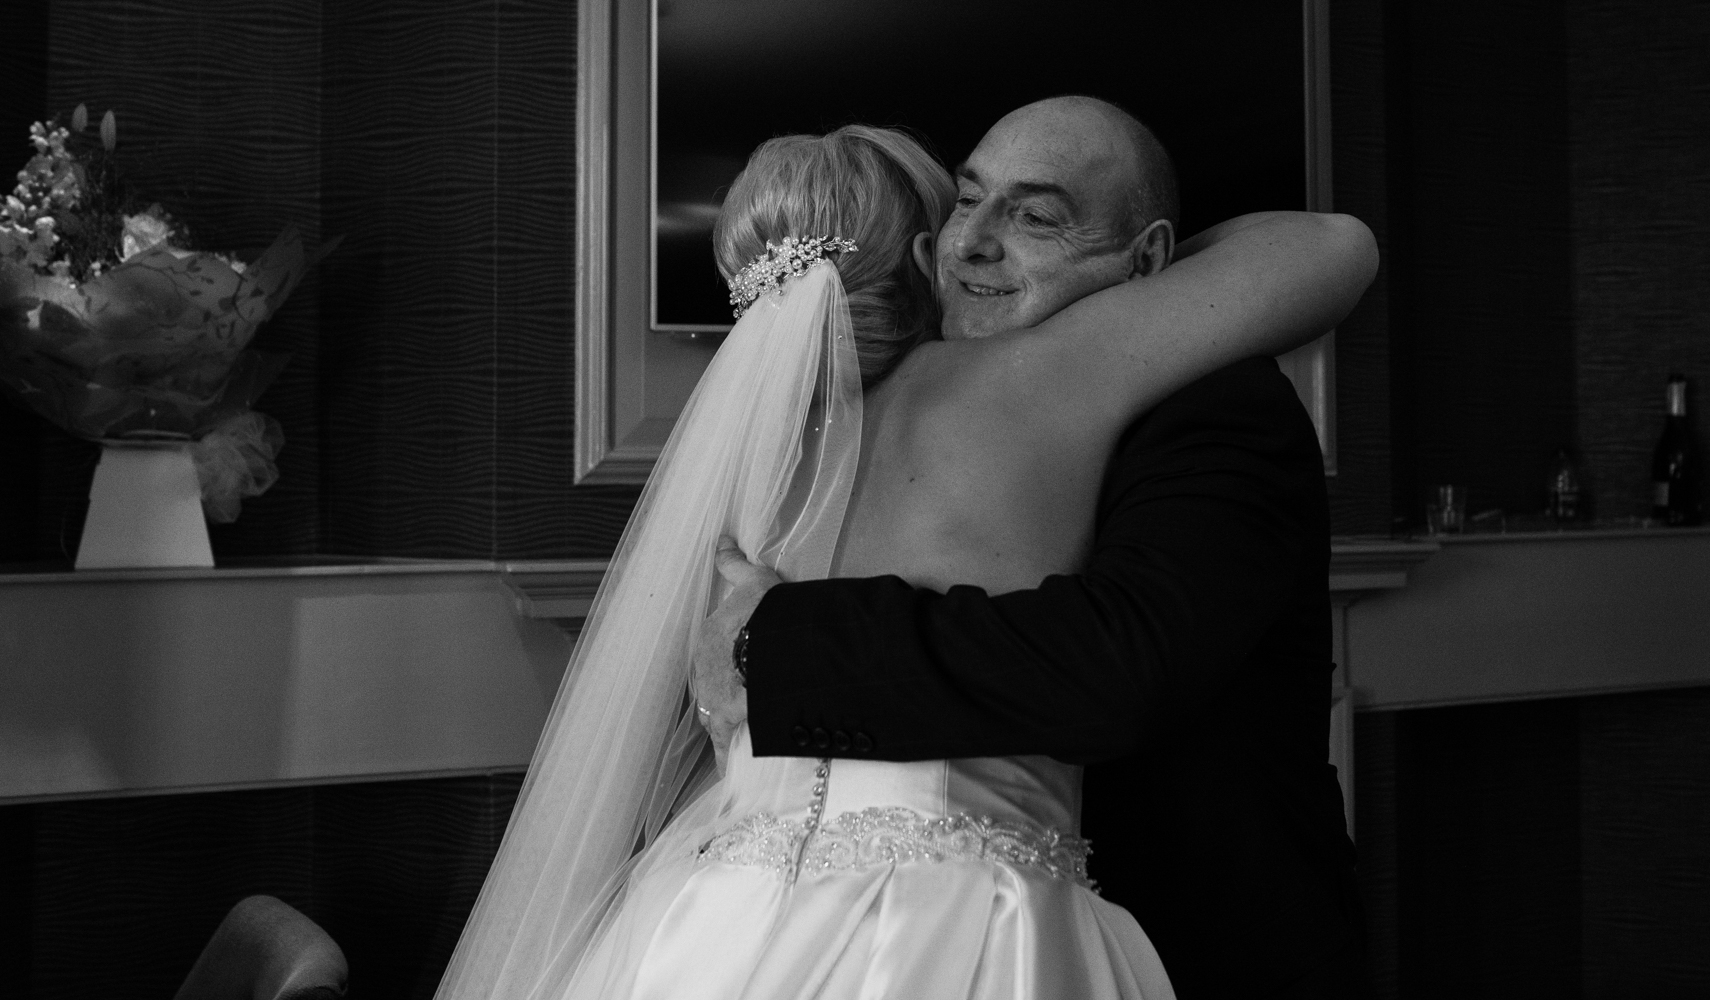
<point>875,186</point>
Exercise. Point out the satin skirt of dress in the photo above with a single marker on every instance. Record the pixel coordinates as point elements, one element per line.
<point>948,929</point>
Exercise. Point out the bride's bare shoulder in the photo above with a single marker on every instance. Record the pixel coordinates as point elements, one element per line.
<point>984,408</point>
<point>1000,385</point>
<point>961,372</point>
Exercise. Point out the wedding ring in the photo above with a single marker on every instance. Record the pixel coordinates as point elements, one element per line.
<point>703,712</point>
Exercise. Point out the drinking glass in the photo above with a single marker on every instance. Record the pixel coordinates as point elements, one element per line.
<point>1446,511</point>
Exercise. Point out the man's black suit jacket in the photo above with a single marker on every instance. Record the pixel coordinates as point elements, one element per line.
<point>1188,666</point>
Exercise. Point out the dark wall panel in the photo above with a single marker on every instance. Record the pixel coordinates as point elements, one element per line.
<point>408,164</point>
<point>1645,846</point>
<point>127,891</point>
<point>1640,89</point>
<point>1549,849</point>
<point>1487,851</point>
<point>218,107</point>
<point>397,870</point>
<point>1359,492</point>
<point>22,101</point>
<point>1481,300</point>
<point>536,510</point>
<point>449,165</point>
<point>116,898</point>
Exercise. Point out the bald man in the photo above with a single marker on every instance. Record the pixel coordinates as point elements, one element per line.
<point>1188,663</point>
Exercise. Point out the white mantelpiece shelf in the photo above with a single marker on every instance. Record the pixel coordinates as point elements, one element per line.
<point>144,681</point>
<point>129,682</point>
<point>1540,615</point>
<point>1361,566</point>
<point>561,591</point>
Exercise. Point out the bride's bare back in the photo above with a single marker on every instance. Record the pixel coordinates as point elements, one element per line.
<point>949,493</point>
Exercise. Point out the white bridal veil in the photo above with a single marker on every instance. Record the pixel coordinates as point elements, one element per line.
<point>765,451</point>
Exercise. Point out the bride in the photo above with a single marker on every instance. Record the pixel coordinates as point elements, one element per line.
<point>636,866</point>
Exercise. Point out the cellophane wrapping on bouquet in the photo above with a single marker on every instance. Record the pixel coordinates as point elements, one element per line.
<point>151,342</point>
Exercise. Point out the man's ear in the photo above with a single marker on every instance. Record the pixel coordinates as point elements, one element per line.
<point>1154,249</point>
<point>923,255</point>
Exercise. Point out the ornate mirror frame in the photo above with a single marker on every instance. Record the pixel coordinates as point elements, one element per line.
<point>631,378</point>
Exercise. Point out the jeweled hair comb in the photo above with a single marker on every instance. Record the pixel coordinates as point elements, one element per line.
<point>781,261</point>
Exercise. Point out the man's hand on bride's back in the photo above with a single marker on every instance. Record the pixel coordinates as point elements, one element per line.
<point>719,691</point>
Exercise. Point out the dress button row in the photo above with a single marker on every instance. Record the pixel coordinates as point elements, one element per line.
<point>818,804</point>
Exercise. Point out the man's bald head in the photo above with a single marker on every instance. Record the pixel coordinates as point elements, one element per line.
<point>1061,198</point>
<point>1152,192</point>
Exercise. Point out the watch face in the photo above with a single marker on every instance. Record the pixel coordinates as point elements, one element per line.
<point>739,654</point>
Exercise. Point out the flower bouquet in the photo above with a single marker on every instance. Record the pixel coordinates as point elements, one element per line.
<point>111,328</point>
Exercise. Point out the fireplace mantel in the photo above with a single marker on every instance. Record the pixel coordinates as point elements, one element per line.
<point>1505,617</point>
<point>136,682</point>
<point>147,681</point>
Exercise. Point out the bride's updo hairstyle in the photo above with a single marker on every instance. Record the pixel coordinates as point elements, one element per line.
<point>875,186</point>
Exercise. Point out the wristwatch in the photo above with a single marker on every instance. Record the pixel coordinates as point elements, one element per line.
<point>739,654</point>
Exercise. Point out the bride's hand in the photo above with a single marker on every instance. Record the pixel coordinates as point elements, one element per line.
<point>719,692</point>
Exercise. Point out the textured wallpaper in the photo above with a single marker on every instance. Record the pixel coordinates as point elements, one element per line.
<point>219,116</point>
<point>1360,491</point>
<point>448,161</point>
<point>428,403</point>
<point>116,897</point>
<point>1481,349</point>
<point>1640,94</point>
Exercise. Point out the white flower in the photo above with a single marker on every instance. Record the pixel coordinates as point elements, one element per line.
<point>144,232</point>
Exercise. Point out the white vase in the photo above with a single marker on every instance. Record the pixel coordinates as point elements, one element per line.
<point>145,509</point>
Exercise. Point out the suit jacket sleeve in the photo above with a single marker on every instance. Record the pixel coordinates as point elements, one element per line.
<point>1211,517</point>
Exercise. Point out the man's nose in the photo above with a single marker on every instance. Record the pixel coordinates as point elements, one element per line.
<point>977,240</point>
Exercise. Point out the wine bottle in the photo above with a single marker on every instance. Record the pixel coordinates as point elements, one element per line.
<point>1562,492</point>
<point>1674,468</point>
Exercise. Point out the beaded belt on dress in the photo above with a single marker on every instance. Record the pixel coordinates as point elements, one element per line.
<point>894,835</point>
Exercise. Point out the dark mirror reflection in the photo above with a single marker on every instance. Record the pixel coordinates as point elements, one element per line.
<point>1219,81</point>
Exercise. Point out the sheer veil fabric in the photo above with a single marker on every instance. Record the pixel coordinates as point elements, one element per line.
<point>765,451</point>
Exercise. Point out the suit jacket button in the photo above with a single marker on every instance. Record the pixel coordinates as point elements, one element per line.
<point>800,736</point>
<point>821,738</point>
<point>863,743</point>
<point>840,740</point>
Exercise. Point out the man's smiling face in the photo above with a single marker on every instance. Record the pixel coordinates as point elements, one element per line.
<point>1040,221</point>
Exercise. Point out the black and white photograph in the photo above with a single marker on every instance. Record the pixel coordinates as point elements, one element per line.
<point>854,500</point>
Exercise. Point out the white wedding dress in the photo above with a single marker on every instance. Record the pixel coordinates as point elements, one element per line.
<point>867,879</point>
<point>788,877</point>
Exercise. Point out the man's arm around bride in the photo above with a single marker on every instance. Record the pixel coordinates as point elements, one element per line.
<point>1186,660</point>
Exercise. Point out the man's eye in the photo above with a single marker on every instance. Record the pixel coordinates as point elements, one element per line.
<point>1035,219</point>
<point>966,200</point>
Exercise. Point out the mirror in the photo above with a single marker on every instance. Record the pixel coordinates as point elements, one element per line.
<point>1236,91</point>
